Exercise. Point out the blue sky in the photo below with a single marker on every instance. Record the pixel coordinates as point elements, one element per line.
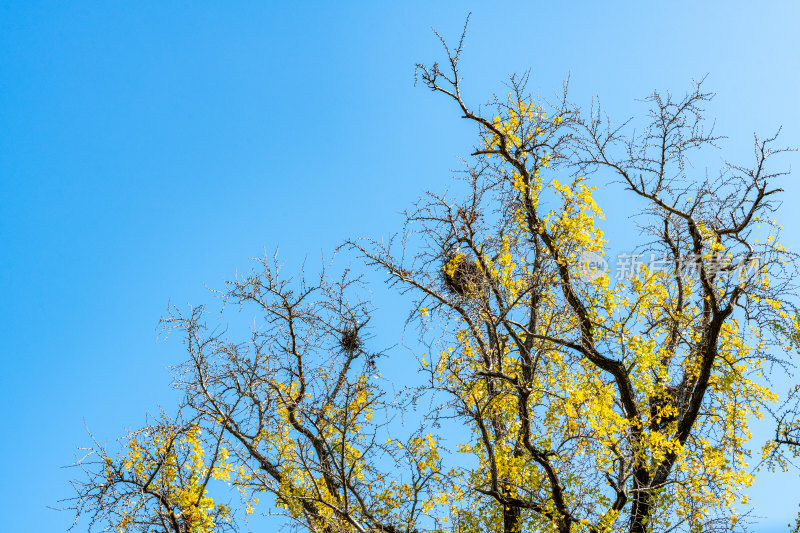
<point>149,148</point>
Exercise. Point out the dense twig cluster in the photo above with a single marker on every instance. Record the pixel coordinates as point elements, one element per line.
<point>350,341</point>
<point>462,276</point>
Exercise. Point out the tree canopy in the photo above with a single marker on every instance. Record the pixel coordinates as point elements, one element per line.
<point>557,396</point>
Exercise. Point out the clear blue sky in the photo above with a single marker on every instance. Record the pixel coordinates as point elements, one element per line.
<point>147,148</point>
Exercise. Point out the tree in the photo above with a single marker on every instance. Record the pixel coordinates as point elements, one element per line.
<point>158,482</point>
<point>588,405</point>
<point>784,449</point>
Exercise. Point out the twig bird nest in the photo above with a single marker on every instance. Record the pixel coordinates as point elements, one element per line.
<point>462,275</point>
<point>664,408</point>
<point>350,341</point>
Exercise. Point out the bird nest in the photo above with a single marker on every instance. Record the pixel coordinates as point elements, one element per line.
<point>664,408</point>
<point>350,341</point>
<point>462,275</point>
